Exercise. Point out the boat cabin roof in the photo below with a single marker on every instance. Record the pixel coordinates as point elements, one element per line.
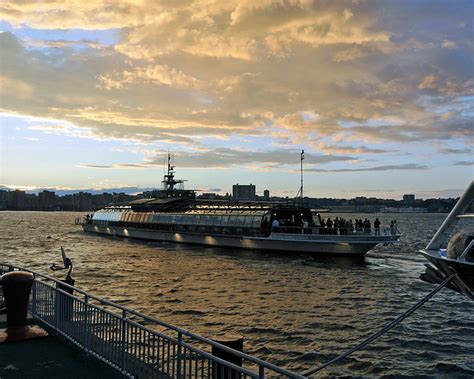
<point>211,206</point>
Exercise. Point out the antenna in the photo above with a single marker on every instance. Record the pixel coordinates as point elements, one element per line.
<point>301,188</point>
<point>164,166</point>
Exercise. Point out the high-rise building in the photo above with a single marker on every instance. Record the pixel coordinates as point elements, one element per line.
<point>17,199</point>
<point>47,200</point>
<point>243,192</point>
<point>266,194</point>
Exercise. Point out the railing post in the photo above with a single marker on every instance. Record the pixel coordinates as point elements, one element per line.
<point>33,302</point>
<point>180,342</point>
<point>86,323</point>
<point>123,336</point>
<point>56,310</point>
<point>261,372</point>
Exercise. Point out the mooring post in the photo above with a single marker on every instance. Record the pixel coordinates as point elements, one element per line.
<point>234,342</point>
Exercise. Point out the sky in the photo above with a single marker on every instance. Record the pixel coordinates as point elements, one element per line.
<point>379,94</point>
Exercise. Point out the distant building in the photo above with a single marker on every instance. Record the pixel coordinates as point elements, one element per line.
<point>47,200</point>
<point>17,200</point>
<point>208,196</point>
<point>243,192</point>
<point>3,199</point>
<point>266,195</point>
<point>409,198</point>
<point>82,201</point>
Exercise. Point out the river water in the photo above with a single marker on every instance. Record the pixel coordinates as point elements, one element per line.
<point>293,310</point>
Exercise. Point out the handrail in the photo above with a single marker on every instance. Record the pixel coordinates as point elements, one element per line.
<point>383,231</point>
<point>180,331</point>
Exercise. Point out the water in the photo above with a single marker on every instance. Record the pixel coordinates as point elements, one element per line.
<point>294,310</point>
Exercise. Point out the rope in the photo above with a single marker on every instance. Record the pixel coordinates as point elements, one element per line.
<point>385,329</point>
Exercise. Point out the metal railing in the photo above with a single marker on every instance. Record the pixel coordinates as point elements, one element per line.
<point>336,231</point>
<point>118,336</point>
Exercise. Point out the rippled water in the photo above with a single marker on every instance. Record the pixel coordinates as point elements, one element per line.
<point>294,310</point>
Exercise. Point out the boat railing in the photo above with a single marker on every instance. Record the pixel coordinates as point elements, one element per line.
<point>131,342</point>
<point>336,231</point>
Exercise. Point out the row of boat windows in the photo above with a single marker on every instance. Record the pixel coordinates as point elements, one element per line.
<point>229,220</point>
<point>201,229</point>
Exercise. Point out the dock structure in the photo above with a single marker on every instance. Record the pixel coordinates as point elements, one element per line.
<point>132,343</point>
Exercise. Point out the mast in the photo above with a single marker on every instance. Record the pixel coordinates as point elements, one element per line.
<point>301,170</point>
<point>168,179</point>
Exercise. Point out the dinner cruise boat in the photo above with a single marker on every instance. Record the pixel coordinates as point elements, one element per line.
<point>451,250</point>
<point>175,215</point>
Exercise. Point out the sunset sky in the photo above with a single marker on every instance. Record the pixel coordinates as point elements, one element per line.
<point>379,94</point>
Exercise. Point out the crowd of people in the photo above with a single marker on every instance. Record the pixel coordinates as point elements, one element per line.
<point>336,226</point>
<point>342,226</point>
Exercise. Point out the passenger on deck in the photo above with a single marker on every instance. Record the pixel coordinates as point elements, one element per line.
<point>276,225</point>
<point>304,229</point>
<point>322,227</point>
<point>366,226</point>
<point>377,226</point>
<point>329,225</point>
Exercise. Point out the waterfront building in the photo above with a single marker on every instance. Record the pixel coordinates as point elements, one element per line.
<point>47,200</point>
<point>408,198</point>
<point>17,200</point>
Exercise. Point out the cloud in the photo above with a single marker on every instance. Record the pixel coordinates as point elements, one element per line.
<point>446,150</point>
<point>125,166</point>
<point>447,44</point>
<point>463,163</point>
<point>408,166</point>
<point>343,78</point>
<point>157,74</point>
<point>227,157</point>
<point>96,166</point>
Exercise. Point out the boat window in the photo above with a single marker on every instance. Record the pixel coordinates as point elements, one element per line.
<point>256,221</point>
<point>236,221</point>
<point>204,220</point>
<point>192,219</point>
<point>247,221</point>
<point>224,220</point>
<point>216,220</point>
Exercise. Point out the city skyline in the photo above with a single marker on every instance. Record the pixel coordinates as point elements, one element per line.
<point>379,95</point>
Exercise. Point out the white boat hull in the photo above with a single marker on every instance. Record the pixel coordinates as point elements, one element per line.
<point>357,245</point>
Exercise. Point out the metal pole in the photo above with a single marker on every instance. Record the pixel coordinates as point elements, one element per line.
<point>33,304</point>
<point>180,342</point>
<point>301,170</point>
<point>458,209</point>
<point>86,322</point>
<point>123,336</point>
